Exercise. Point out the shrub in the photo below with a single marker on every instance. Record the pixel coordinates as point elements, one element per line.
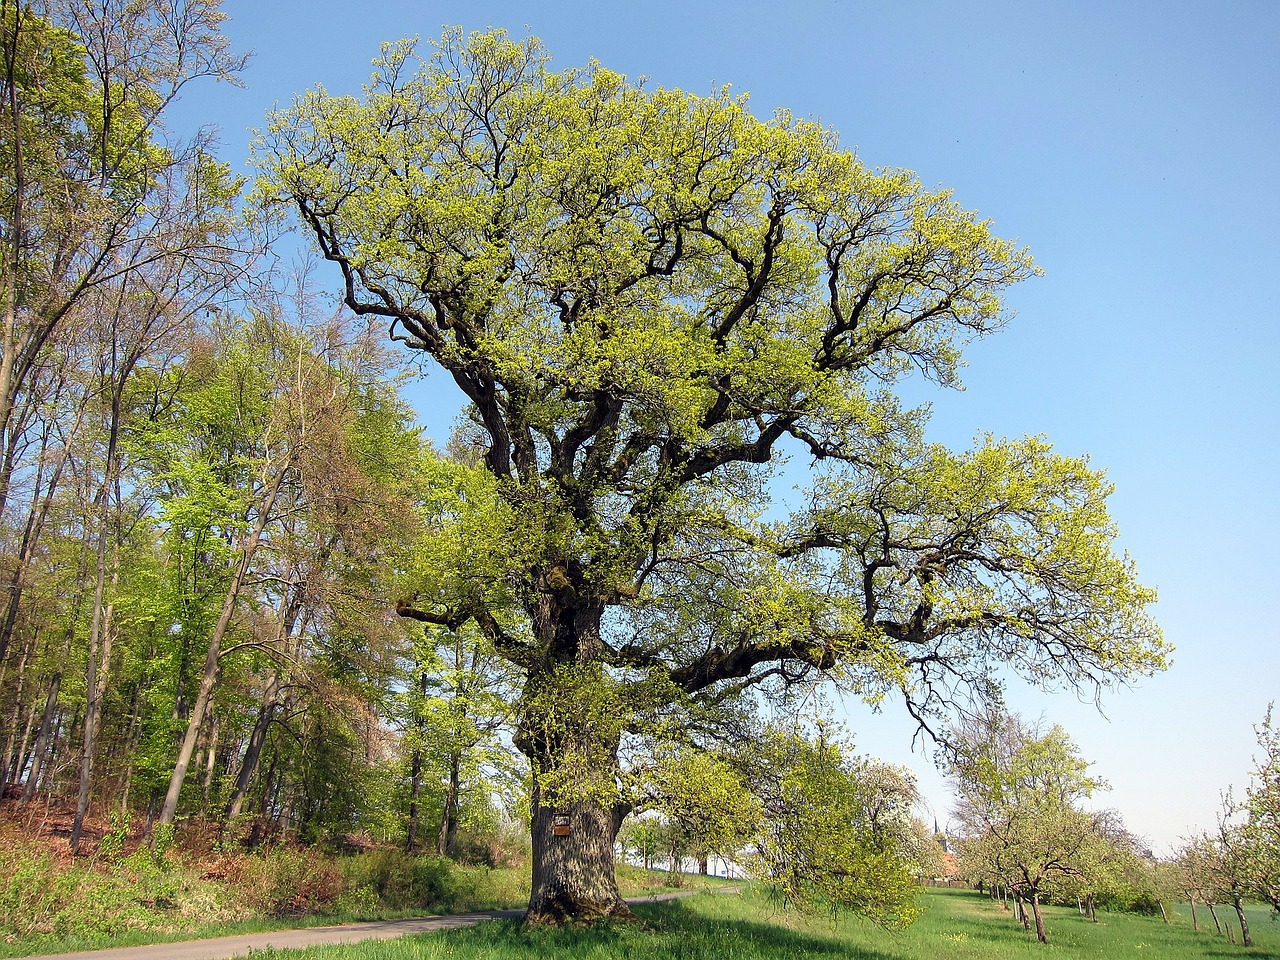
<point>41,897</point>
<point>399,879</point>
<point>32,890</point>
<point>502,846</point>
<point>284,880</point>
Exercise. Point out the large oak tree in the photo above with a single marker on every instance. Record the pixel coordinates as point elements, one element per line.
<point>647,298</point>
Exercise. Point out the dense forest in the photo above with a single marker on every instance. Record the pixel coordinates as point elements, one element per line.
<point>211,490</point>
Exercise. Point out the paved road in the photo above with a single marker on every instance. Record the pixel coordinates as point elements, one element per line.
<point>222,948</point>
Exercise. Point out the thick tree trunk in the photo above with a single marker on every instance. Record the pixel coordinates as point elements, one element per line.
<point>569,730</point>
<point>574,878</point>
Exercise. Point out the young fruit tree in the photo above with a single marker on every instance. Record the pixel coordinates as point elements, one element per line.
<point>648,298</point>
<point>1262,810</point>
<point>837,828</point>
<point>1018,807</point>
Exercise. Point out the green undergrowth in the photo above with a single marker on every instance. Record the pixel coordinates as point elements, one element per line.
<point>48,906</point>
<point>114,900</point>
<point>955,924</point>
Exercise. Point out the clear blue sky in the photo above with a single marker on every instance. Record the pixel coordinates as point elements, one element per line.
<point>1135,148</point>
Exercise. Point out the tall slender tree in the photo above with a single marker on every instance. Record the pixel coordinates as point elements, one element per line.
<point>90,194</point>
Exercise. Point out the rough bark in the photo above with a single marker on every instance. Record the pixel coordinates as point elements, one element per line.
<point>574,878</point>
<point>572,746</point>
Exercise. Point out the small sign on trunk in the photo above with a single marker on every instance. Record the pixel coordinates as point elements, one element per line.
<point>560,826</point>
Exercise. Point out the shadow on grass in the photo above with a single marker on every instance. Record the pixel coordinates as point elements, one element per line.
<point>670,931</point>
<point>982,921</point>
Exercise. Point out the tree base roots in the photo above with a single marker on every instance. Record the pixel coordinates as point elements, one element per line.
<point>579,914</point>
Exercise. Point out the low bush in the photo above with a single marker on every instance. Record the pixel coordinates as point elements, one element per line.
<point>126,889</point>
<point>285,880</point>
<point>399,879</point>
<point>103,897</point>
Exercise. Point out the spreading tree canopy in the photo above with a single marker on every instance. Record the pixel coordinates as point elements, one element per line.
<point>646,298</point>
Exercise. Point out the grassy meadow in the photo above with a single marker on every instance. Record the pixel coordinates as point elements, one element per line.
<point>956,925</point>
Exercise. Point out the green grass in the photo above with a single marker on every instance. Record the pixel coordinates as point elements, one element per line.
<point>956,925</point>
<point>49,909</point>
<point>89,910</point>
